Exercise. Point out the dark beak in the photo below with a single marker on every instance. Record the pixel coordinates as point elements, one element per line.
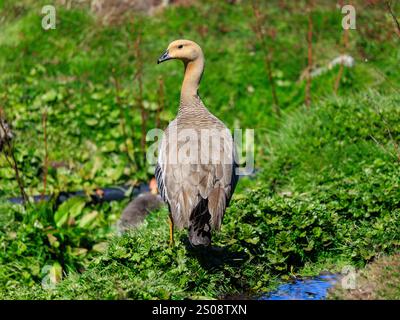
<point>165,56</point>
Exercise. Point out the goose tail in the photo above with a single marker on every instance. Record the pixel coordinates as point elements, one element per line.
<point>199,225</point>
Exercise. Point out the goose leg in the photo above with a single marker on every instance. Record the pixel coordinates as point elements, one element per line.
<point>171,230</point>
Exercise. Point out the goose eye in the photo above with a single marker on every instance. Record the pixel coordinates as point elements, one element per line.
<point>180,46</point>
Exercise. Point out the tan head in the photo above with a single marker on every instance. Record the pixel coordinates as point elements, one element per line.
<point>184,50</point>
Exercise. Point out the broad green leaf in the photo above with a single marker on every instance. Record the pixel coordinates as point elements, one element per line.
<point>49,96</point>
<point>87,219</point>
<point>100,247</point>
<point>91,121</point>
<point>71,208</point>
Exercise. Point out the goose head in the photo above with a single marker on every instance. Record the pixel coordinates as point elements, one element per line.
<point>184,50</point>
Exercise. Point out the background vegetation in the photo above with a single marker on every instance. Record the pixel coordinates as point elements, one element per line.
<point>327,189</point>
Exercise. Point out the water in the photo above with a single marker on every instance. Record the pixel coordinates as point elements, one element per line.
<point>315,288</point>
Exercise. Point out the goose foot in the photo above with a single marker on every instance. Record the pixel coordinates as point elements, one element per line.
<point>171,231</point>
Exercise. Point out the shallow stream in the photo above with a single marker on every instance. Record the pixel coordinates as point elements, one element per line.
<point>315,288</point>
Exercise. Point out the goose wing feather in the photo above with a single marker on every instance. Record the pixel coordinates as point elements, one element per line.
<point>182,186</point>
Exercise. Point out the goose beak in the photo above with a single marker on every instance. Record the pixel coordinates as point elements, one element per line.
<point>164,57</point>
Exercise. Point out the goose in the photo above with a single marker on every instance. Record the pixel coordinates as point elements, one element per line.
<point>137,210</point>
<point>195,177</point>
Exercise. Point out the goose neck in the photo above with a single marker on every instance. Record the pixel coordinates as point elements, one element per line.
<point>191,81</point>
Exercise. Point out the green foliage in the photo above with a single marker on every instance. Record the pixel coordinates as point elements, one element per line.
<point>70,209</point>
<point>328,189</point>
<point>142,265</point>
<point>329,186</point>
<point>39,236</point>
<point>342,207</point>
<point>70,72</point>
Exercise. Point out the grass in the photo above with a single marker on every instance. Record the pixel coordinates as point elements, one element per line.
<point>68,71</point>
<point>341,207</point>
<point>327,193</point>
<point>379,280</point>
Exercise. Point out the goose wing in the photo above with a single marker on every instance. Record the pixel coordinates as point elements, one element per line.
<point>218,180</point>
<point>184,185</point>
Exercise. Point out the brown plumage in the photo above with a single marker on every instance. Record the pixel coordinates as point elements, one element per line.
<point>197,188</point>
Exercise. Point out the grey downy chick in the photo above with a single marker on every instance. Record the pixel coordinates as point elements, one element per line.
<point>137,210</point>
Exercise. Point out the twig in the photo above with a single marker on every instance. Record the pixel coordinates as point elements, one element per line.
<point>46,156</point>
<point>267,56</point>
<point>344,48</point>
<point>139,100</point>
<point>121,113</point>
<point>13,163</point>
<point>309,54</point>
<point>387,127</point>
<point>397,157</point>
<point>393,16</point>
<point>282,4</point>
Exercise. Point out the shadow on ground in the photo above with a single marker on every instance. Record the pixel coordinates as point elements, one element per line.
<point>214,258</point>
